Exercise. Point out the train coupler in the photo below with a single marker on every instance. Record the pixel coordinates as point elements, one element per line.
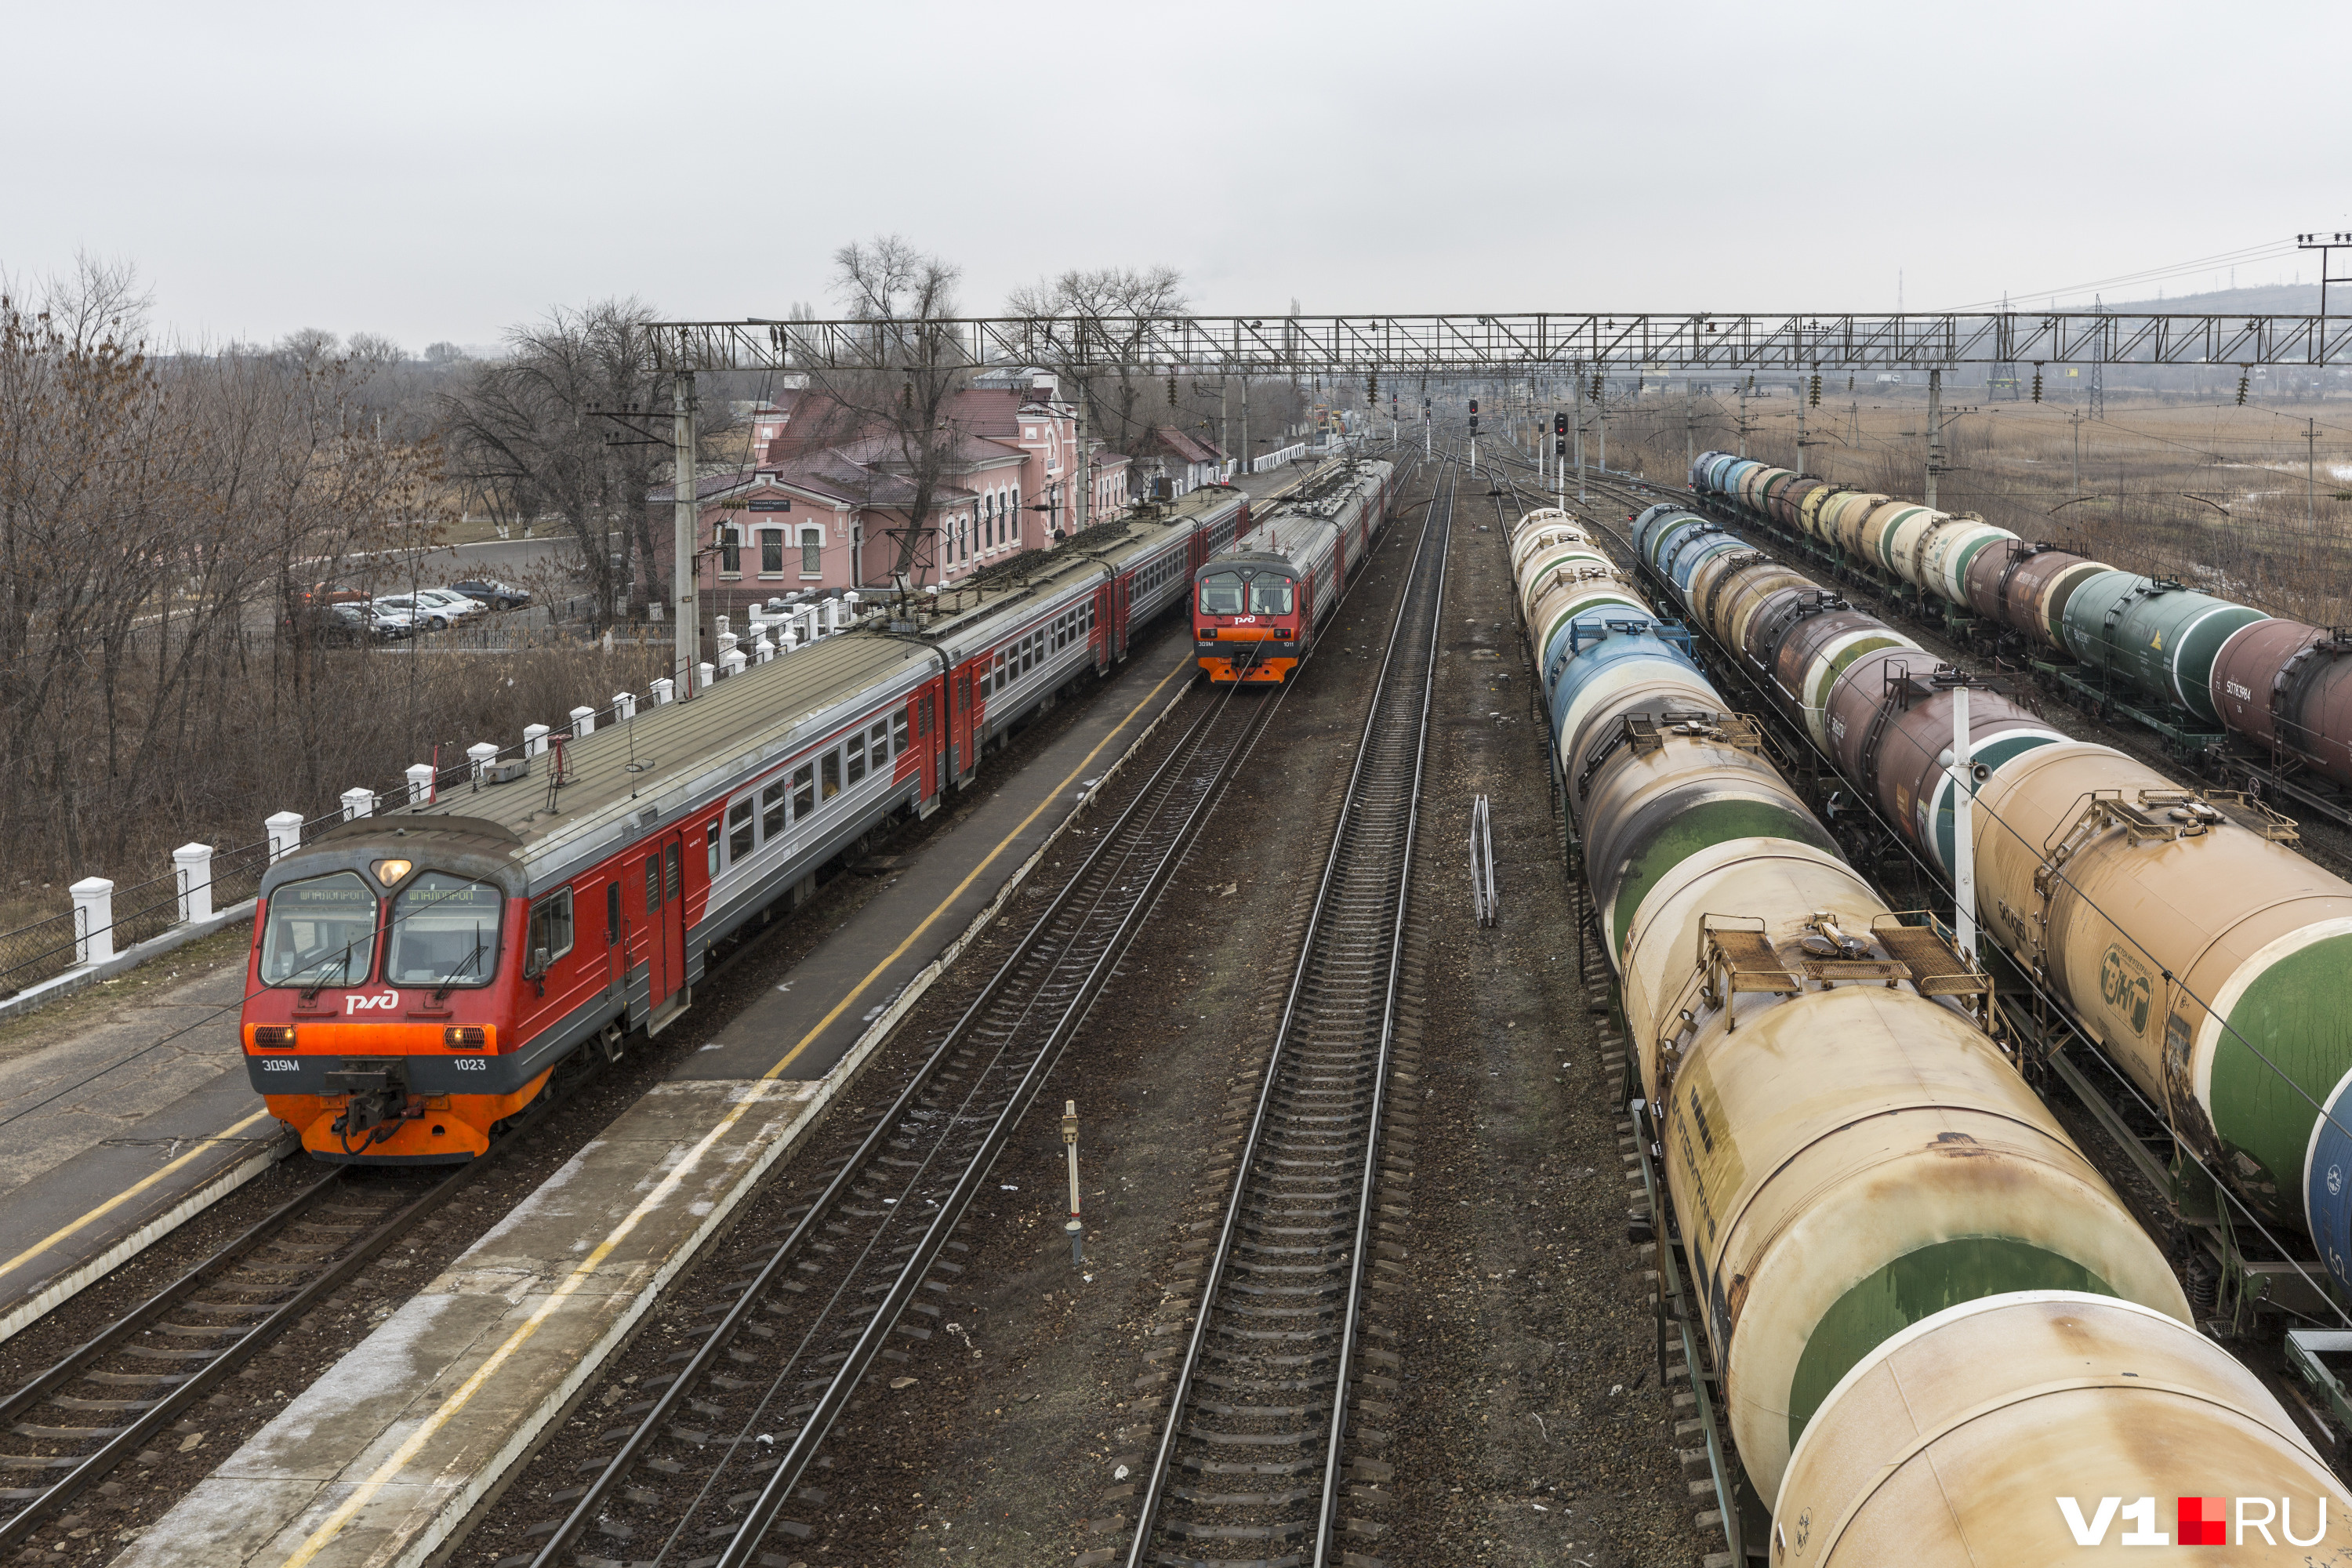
<point>379,1095</point>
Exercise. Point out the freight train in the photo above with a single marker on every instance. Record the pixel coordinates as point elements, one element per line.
<point>2198,660</point>
<point>2210,962</point>
<point>1930,1316</point>
<point>1256,606</point>
<point>416,976</point>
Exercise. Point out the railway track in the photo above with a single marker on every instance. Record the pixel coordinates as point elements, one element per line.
<point>711,1462</point>
<point>1264,1430</point>
<point>111,1397</point>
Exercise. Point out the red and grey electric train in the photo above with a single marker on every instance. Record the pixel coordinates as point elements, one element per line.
<point>415,977</point>
<point>1256,606</point>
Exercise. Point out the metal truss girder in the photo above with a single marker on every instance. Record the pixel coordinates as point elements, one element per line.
<point>1563,342</point>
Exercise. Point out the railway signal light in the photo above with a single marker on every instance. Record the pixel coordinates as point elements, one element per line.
<point>1559,423</point>
<point>1474,406</point>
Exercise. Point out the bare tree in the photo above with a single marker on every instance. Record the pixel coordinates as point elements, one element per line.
<point>1112,311</point>
<point>897,424</point>
<point>527,431</point>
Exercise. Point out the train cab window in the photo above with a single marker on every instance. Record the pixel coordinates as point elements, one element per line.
<point>856,750</point>
<point>611,914</point>
<point>803,790</point>
<point>1269,594</point>
<point>1221,594</point>
<point>550,930</point>
<point>901,733</point>
<point>773,811</point>
<point>320,932</point>
<point>444,933</point>
<point>830,766</point>
<point>739,829</point>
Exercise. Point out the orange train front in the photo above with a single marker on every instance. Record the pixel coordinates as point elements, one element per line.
<point>1256,606</point>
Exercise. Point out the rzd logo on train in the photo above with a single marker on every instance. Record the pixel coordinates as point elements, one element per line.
<point>2124,986</point>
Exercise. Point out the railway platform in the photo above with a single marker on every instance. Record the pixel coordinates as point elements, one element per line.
<point>118,1127</point>
<point>383,1456</point>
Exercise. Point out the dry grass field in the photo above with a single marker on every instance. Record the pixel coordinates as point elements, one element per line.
<point>2215,494</point>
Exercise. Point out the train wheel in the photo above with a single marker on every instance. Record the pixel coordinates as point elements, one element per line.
<point>611,1040</point>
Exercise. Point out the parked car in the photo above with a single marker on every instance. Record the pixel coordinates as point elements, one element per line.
<point>384,625</point>
<point>351,624</point>
<point>459,606</point>
<point>490,590</point>
<point>422,613</point>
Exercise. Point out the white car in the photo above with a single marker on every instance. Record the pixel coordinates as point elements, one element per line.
<point>455,604</point>
<point>423,614</point>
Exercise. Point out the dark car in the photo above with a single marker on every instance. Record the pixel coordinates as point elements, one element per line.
<point>497,595</point>
<point>351,624</point>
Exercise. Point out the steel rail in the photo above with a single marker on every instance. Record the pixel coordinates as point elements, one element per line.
<point>1321,917</point>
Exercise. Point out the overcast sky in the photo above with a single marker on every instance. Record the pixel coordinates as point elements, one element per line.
<point>431,171</point>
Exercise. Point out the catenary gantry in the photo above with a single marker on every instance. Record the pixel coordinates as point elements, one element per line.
<point>1510,343</point>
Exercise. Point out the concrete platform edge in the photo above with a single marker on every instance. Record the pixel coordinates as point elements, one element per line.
<point>441,1533</point>
<point>71,1283</point>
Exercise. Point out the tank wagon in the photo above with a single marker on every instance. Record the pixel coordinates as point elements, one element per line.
<point>416,976</point>
<point>1868,1192</point>
<point>2199,661</point>
<point>1258,604</point>
<point>2211,962</point>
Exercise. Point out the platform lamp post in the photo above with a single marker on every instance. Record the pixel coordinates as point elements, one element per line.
<point>1070,1142</point>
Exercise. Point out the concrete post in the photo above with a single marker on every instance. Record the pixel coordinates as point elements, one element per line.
<point>191,865</point>
<point>762,650</point>
<point>704,675</point>
<point>480,753</point>
<point>420,782</point>
<point>685,520</point>
<point>93,898</point>
<point>534,740</point>
<point>285,834</point>
<point>358,803</point>
<point>1935,432</point>
<point>584,722</point>
<point>726,641</point>
<point>625,706</point>
<point>731,662</point>
<point>720,626</point>
<point>663,692</point>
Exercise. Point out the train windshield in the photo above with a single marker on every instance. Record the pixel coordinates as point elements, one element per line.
<point>320,932</point>
<point>1269,594</point>
<point>444,933</point>
<point>1221,594</point>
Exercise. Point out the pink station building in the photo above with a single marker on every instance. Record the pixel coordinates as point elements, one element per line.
<point>798,517</point>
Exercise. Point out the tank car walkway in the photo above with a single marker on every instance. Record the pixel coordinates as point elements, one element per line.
<point>386,1453</point>
<point>115,1129</point>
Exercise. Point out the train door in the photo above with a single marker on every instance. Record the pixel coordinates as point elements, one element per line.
<point>959,747</point>
<point>1098,635</point>
<point>1196,550</point>
<point>1122,589</point>
<point>664,881</point>
<point>928,743</point>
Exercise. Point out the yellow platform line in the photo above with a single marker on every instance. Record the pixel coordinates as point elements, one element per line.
<point>127,1193</point>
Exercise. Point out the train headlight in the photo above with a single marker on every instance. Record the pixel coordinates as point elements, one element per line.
<point>274,1036</point>
<point>1208,634</point>
<point>464,1037</point>
<point>387,872</point>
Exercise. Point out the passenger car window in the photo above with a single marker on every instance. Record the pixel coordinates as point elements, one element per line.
<point>857,749</point>
<point>803,790</point>
<point>831,768</point>
<point>899,732</point>
<point>550,930</point>
<point>773,813</point>
<point>739,830</point>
